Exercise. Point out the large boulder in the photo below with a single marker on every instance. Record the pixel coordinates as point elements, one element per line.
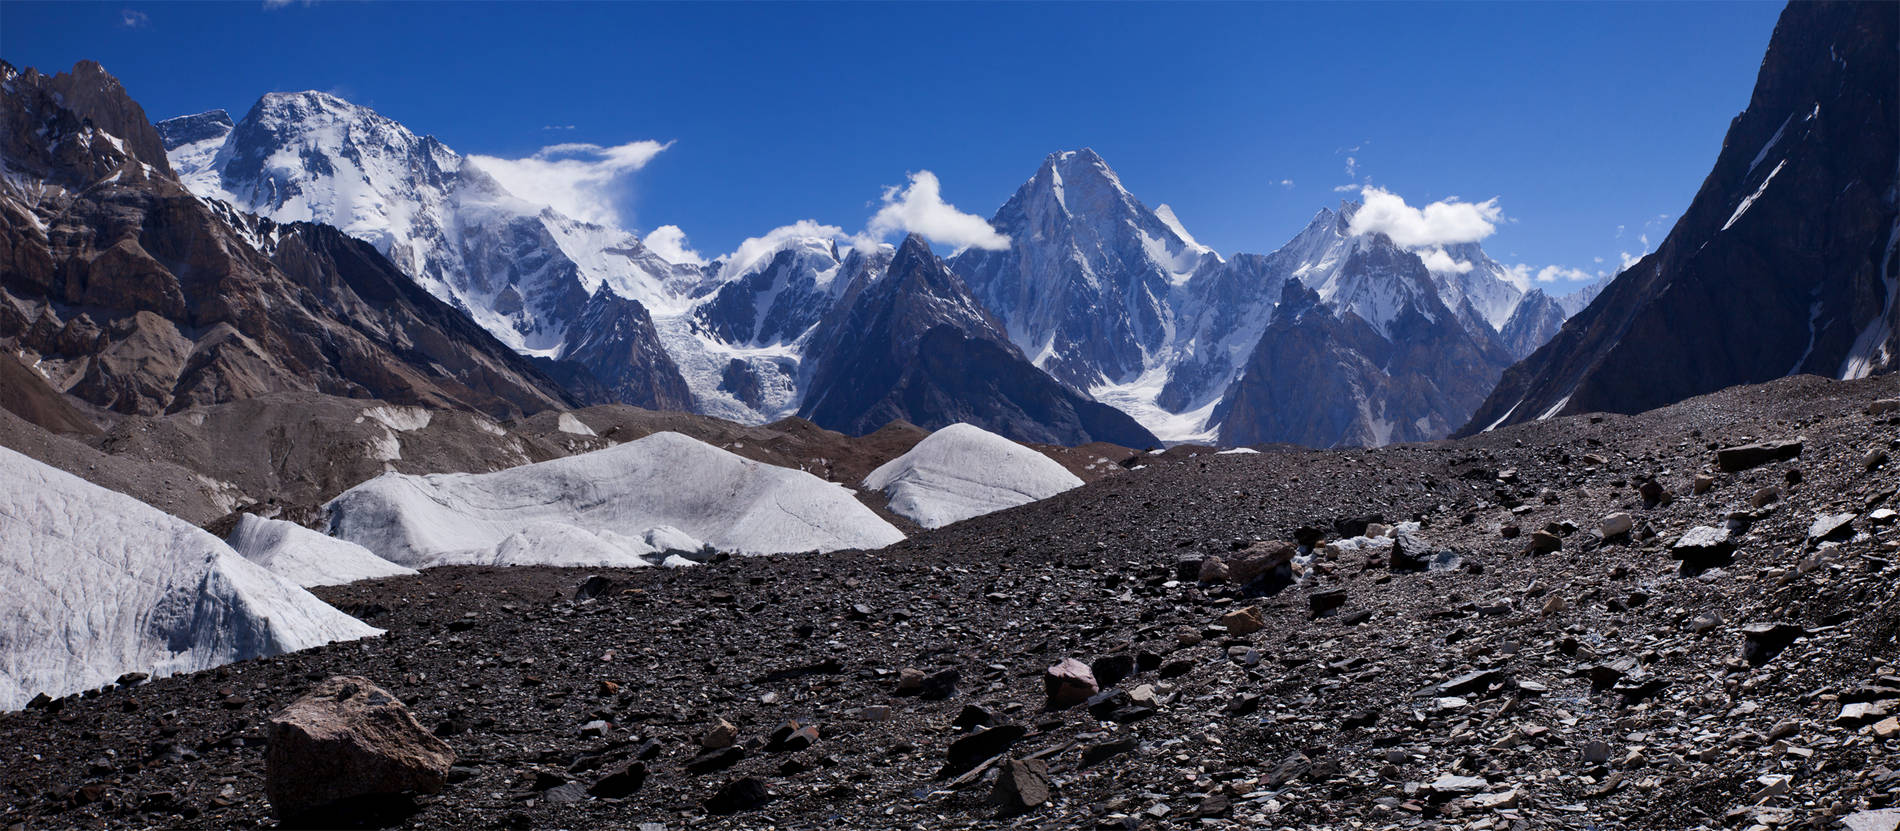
<point>347,740</point>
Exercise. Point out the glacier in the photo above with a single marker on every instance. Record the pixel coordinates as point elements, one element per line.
<point>305,557</point>
<point>622,506</point>
<point>963,471</point>
<point>98,584</point>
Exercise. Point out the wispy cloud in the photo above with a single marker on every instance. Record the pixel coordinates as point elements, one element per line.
<point>584,181</point>
<point>557,127</point>
<point>1286,183</point>
<point>919,208</point>
<point>669,241</point>
<point>132,19</point>
<point>1445,222</point>
<point>755,248</point>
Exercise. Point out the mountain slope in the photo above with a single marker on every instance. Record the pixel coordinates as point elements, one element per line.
<point>1084,286</point>
<point>1322,375</point>
<point>914,345</point>
<point>525,272</point>
<point>127,291</point>
<point>1785,261</point>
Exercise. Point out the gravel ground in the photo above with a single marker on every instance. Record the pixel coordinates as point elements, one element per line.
<point>1472,683</point>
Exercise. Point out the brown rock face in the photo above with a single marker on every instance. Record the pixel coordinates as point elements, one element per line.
<point>127,291</point>
<point>345,739</point>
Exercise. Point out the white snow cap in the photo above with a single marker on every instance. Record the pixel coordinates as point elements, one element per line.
<point>97,584</point>
<point>306,557</point>
<point>599,509</point>
<point>964,471</point>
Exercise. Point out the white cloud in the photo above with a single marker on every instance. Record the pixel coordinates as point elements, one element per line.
<point>1346,188</point>
<point>557,126</point>
<point>1286,183</point>
<point>1523,275</point>
<point>584,181</point>
<point>134,19</point>
<point>669,242</point>
<point>1445,222</point>
<point>1437,260</point>
<point>755,248</point>
<point>920,209</point>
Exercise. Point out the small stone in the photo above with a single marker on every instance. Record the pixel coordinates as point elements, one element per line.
<point>1861,712</point>
<point>1069,683</point>
<point>1544,542</point>
<point>1763,641</point>
<point>1111,669</point>
<point>716,759</point>
<point>1243,621</point>
<point>721,734</point>
<point>1764,497</point>
<point>1702,548</point>
<point>621,781</point>
<point>1451,785</point>
<point>1214,570</point>
<point>1021,786</point>
<point>1596,752</point>
<point>743,794</point>
<point>1322,602</point>
<point>910,681</point>
<point>940,685</point>
<point>1831,527</point>
<point>1701,484</point>
<point>1885,819</point>
<point>1887,728</point>
<point>791,737</point>
<point>1881,407</point>
<point>1616,525</point>
<point>974,749</point>
<point>1743,457</point>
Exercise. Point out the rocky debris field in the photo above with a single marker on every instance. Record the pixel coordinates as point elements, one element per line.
<point>1727,656</point>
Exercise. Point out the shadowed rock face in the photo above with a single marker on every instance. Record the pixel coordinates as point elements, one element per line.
<point>916,346</point>
<point>1784,263</point>
<point>136,296</point>
<point>614,339</point>
<point>1325,377</point>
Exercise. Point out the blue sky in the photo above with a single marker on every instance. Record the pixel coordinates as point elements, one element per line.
<point>1580,119</point>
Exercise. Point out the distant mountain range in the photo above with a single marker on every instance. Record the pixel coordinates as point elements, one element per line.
<point>1115,301</point>
<point>330,248</point>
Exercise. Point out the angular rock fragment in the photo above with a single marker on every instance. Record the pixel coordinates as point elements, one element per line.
<point>345,740</point>
<point>1021,786</point>
<point>1743,457</point>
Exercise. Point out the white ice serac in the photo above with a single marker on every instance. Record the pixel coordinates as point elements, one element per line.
<point>603,508</point>
<point>962,471</point>
<point>97,584</point>
<point>306,557</point>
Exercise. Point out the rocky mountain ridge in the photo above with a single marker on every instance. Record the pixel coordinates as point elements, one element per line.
<point>1784,263</point>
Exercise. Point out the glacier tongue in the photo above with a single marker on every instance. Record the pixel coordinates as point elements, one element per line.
<point>963,471</point>
<point>99,584</point>
<point>613,507</point>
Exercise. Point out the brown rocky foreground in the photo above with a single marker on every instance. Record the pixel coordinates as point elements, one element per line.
<point>1501,666</point>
